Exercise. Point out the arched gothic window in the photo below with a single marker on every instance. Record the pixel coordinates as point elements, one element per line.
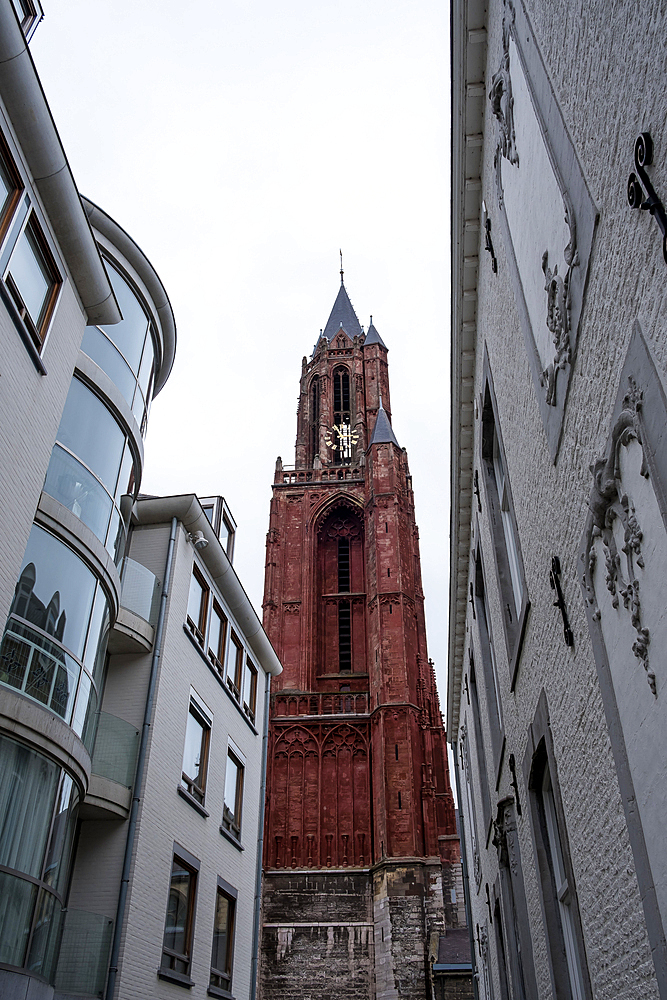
<point>342,418</point>
<point>314,418</point>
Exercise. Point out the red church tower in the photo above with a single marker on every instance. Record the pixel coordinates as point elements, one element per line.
<point>359,809</point>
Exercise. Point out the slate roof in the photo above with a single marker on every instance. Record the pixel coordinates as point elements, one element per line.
<point>342,314</point>
<point>382,432</point>
<point>373,337</point>
<point>454,948</point>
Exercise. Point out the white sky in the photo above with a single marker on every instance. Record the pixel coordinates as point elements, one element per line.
<point>241,143</point>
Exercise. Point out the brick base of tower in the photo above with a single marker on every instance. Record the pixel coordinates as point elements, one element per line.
<point>361,935</point>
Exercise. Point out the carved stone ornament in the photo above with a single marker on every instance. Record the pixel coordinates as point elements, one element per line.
<point>610,502</point>
<point>503,827</point>
<point>500,95</point>
<point>344,527</point>
<point>291,607</point>
<point>559,306</point>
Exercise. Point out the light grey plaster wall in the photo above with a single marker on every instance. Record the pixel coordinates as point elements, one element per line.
<point>606,72</point>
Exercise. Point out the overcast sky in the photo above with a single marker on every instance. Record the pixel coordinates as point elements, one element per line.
<point>241,143</point>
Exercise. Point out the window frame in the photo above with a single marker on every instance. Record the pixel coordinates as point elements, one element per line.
<point>234,683</point>
<point>189,863</point>
<point>198,629</point>
<point>223,888</point>
<point>539,760</point>
<point>198,791</point>
<point>13,199</point>
<point>217,658</point>
<point>494,704</point>
<point>31,229</point>
<point>250,699</point>
<point>231,821</point>
<point>510,573</point>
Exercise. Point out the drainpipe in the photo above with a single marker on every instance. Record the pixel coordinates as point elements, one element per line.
<point>138,780</point>
<point>466,883</point>
<point>254,970</point>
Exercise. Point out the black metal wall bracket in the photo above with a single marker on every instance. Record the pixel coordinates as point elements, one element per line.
<point>554,580</point>
<point>651,203</point>
<point>488,245</point>
<point>514,783</point>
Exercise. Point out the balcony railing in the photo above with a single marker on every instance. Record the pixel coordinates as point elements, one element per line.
<point>116,746</point>
<point>84,953</point>
<point>141,591</point>
<point>334,473</point>
<point>343,703</point>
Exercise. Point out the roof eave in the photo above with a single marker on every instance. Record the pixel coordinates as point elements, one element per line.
<point>469,42</point>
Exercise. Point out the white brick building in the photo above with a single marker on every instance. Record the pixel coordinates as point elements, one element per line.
<point>557,681</point>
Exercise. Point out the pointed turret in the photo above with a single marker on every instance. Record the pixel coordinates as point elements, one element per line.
<point>382,432</point>
<point>373,337</point>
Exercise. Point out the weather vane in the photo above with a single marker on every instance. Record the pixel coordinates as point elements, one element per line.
<point>341,266</point>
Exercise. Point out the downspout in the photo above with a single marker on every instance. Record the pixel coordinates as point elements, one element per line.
<point>466,882</point>
<point>138,780</point>
<point>254,969</point>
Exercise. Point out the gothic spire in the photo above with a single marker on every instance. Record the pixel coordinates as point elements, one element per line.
<point>382,432</point>
<point>373,337</point>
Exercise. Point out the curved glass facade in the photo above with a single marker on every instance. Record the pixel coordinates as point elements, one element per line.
<point>92,467</point>
<point>38,808</point>
<point>126,351</point>
<point>54,645</point>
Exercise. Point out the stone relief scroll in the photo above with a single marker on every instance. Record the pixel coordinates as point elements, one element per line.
<point>547,215</point>
<point>623,567</point>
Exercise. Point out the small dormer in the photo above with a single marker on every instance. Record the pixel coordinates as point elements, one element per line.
<point>223,523</point>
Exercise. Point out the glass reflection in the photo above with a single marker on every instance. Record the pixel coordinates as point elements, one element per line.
<point>31,275</point>
<point>55,590</point>
<point>91,432</point>
<point>68,482</point>
<point>17,901</point>
<point>27,794</point>
<point>102,351</point>
<point>129,335</point>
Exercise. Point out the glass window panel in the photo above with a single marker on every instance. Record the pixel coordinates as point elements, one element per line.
<point>17,902</point>
<point>47,917</point>
<point>7,188</point>
<point>27,793</point>
<point>197,603</point>
<point>56,866</point>
<point>104,354</point>
<point>97,636</point>
<point>68,482</point>
<point>60,590</point>
<point>116,539</point>
<point>223,936</point>
<point>126,477</point>
<point>216,633</point>
<point>147,365</point>
<point>231,813</point>
<point>194,751</point>
<point>31,275</point>
<point>128,335</point>
<point>91,432</point>
<point>177,928</point>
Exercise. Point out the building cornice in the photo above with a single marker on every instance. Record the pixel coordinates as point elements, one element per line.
<point>469,44</point>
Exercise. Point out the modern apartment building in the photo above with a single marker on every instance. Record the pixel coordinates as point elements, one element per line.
<point>557,681</point>
<point>133,668</point>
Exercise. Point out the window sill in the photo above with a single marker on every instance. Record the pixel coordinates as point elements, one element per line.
<point>191,800</point>
<point>8,302</point>
<point>175,977</point>
<point>239,846</point>
<point>220,680</point>
<point>215,991</point>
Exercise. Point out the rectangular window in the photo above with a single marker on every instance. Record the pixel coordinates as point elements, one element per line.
<point>249,688</point>
<point>180,920</point>
<point>235,666</point>
<point>231,812</point>
<point>502,521</point>
<point>217,634</point>
<point>494,706</point>
<point>197,605</point>
<point>560,909</point>
<point>33,280</point>
<point>222,954</point>
<point>195,753</point>
<point>345,637</point>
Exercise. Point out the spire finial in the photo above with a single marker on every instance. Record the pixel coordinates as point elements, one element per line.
<point>341,266</point>
<point>381,406</point>
<point>371,319</point>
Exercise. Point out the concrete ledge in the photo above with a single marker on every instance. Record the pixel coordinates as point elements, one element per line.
<point>130,634</point>
<point>42,730</point>
<point>106,799</point>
